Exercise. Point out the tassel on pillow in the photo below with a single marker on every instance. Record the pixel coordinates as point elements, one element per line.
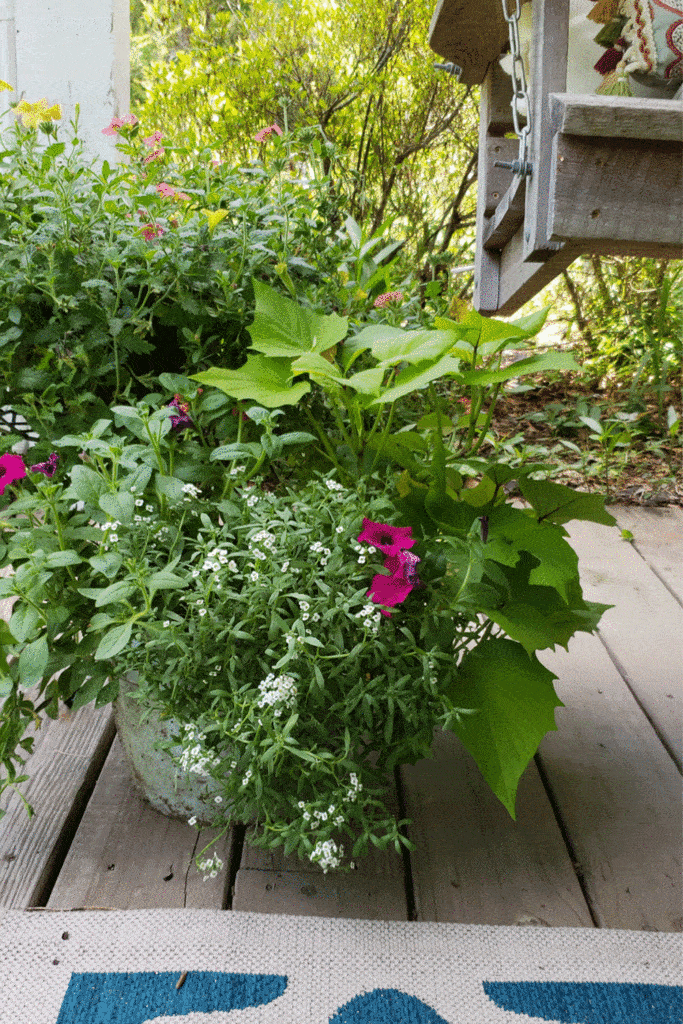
<point>604,11</point>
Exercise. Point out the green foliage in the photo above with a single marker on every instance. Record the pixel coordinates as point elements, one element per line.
<point>403,137</point>
<point>94,305</point>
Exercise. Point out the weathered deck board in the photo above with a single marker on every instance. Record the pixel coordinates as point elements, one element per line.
<point>473,863</point>
<point>643,632</point>
<point>127,855</point>
<point>270,883</point>
<point>617,791</point>
<point>67,758</point>
<point>658,539</point>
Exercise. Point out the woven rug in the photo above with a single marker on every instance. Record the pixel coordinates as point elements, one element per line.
<point>216,966</point>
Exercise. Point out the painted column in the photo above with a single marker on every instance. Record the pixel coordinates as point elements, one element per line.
<point>69,52</point>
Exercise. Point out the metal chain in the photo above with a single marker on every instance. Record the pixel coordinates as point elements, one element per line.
<point>519,92</point>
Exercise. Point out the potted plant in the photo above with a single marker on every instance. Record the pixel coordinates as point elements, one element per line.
<point>299,668</point>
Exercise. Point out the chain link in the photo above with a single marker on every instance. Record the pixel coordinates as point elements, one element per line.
<point>519,91</point>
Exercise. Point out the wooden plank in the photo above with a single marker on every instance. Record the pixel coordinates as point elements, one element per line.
<point>471,33</point>
<point>270,883</point>
<point>67,758</point>
<point>550,20</point>
<point>473,863</point>
<point>520,280</point>
<point>486,265</point>
<point>617,189</point>
<point>616,791</point>
<point>658,539</point>
<point>643,633</point>
<point>620,117</point>
<point>128,856</point>
<point>498,179</point>
<point>508,216</point>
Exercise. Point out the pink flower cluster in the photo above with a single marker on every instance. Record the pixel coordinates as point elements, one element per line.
<point>383,300</point>
<point>265,132</point>
<point>392,540</point>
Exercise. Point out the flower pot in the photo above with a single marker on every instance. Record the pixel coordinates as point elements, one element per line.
<point>157,776</point>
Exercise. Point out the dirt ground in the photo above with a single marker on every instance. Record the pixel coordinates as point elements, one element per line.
<point>645,479</point>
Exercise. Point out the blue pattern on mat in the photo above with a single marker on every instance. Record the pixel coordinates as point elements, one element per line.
<point>138,996</point>
<point>590,1002</point>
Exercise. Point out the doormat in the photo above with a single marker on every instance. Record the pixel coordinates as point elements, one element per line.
<point>231,967</point>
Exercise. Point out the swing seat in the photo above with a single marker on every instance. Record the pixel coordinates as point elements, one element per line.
<point>607,170</point>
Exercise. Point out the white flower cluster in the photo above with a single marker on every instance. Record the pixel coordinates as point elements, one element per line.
<point>372,617</point>
<point>212,864</point>
<point>195,759</point>
<point>328,855</point>
<point>273,690</point>
<point>190,490</point>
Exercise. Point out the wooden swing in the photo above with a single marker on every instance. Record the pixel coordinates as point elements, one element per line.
<point>606,173</point>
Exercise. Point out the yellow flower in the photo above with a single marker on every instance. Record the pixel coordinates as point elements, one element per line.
<point>33,113</point>
<point>4,86</point>
<point>280,268</point>
<point>343,276</point>
<point>359,295</point>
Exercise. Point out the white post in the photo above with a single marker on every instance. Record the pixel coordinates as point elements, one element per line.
<point>69,52</point>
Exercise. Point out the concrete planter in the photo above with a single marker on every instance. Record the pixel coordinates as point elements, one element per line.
<point>157,777</point>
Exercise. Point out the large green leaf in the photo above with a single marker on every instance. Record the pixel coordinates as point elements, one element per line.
<point>390,345</point>
<point>560,504</point>
<point>114,641</point>
<point>282,327</point>
<point>416,377</point>
<point>515,701</point>
<point>558,562</point>
<point>262,380</point>
<point>534,364</point>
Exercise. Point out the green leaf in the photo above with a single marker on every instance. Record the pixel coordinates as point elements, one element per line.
<point>121,506</point>
<point>112,594</point>
<point>57,558</point>
<point>165,580</point>
<point>282,327</point>
<point>416,377</point>
<point>86,485</point>
<point>33,662</point>
<point>561,504</point>
<point>263,380</point>
<point>114,641</point>
<point>558,562</point>
<point>534,364</point>
<point>515,702</point>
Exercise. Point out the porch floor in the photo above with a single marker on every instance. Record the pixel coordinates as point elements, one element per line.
<point>599,830</point>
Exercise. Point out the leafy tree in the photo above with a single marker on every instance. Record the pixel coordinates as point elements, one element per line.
<point>402,142</point>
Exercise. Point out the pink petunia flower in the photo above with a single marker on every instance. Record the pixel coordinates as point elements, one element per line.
<point>383,300</point>
<point>11,468</point>
<point>156,155</point>
<point>392,540</point>
<point>49,467</point>
<point>265,132</point>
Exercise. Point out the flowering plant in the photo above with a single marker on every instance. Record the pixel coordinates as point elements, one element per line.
<point>241,609</point>
<point>268,602</point>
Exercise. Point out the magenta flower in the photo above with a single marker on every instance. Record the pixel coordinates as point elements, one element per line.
<point>183,420</point>
<point>11,468</point>
<point>383,300</point>
<point>265,132</point>
<point>49,467</point>
<point>152,139</point>
<point>389,539</point>
<point>392,540</point>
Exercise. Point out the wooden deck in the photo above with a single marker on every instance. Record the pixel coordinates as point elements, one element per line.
<point>598,837</point>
